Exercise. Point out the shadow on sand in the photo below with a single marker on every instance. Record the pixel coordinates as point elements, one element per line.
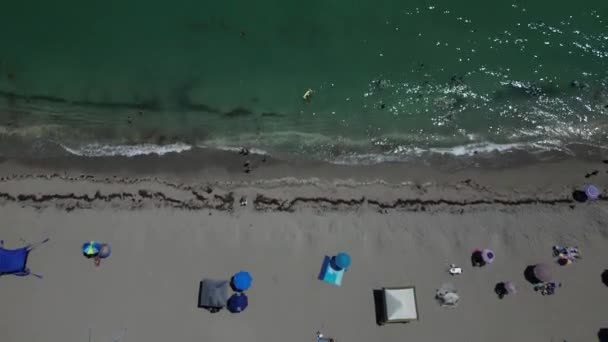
<point>379,306</point>
<point>602,335</point>
<point>529,275</point>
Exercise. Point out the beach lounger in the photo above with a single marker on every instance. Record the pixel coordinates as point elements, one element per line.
<point>396,305</point>
<point>14,261</point>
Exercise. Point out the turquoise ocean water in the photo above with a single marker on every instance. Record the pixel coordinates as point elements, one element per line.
<point>390,79</point>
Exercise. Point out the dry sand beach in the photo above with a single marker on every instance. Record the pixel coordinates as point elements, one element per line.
<point>172,222</point>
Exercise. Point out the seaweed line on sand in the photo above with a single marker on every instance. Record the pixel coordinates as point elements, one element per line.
<point>226,202</point>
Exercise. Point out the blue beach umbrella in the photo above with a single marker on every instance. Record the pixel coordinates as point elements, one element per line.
<point>105,250</point>
<point>342,260</point>
<point>237,302</point>
<point>242,281</point>
<point>91,248</point>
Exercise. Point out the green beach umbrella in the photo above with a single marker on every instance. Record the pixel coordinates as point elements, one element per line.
<point>91,248</point>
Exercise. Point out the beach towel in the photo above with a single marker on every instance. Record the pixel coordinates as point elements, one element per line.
<point>12,261</point>
<point>329,274</point>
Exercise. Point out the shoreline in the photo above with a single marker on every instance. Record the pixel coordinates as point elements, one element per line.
<point>201,164</point>
<point>272,185</point>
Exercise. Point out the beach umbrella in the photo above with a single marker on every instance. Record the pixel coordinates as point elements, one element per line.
<point>592,192</point>
<point>237,302</point>
<point>242,281</point>
<point>510,287</point>
<point>342,260</point>
<point>542,272</point>
<point>91,248</point>
<point>487,255</point>
<point>105,250</point>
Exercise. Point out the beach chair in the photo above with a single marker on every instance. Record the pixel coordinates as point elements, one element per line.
<point>14,261</point>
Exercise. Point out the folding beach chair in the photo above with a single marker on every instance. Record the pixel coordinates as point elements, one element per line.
<point>13,261</point>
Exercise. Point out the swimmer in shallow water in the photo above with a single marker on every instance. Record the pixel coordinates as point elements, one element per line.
<point>307,97</point>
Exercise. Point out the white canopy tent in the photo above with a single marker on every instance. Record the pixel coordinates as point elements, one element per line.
<point>399,304</point>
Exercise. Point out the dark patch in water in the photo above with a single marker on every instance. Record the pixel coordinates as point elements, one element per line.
<point>520,89</point>
<point>182,98</point>
<point>152,104</point>
<point>203,108</point>
<point>579,85</point>
<point>272,115</point>
<point>237,112</point>
<point>457,80</point>
<point>48,98</point>
<point>197,27</point>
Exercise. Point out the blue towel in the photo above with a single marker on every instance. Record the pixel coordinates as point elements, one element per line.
<point>329,274</point>
<point>13,260</point>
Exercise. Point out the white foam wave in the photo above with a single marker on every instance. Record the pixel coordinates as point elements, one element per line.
<point>103,150</point>
<point>251,150</point>
<point>407,153</point>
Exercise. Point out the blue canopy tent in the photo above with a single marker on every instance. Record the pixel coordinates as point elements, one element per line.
<point>13,261</point>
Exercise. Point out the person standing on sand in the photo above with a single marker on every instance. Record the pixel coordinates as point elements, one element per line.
<point>104,252</point>
<point>477,259</point>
